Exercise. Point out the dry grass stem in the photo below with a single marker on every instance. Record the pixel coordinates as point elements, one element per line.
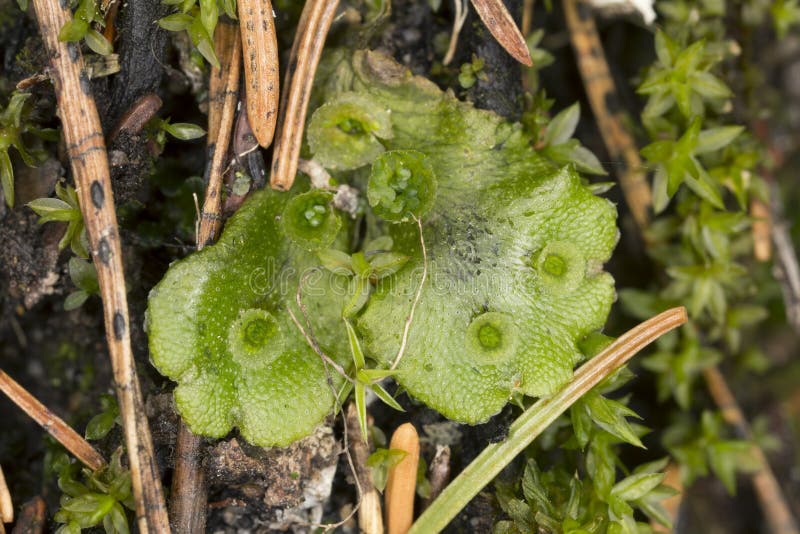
<point>672,505</point>
<point>139,114</point>
<point>210,216</point>
<point>527,16</point>
<point>188,503</point>
<point>189,498</point>
<point>32,518</point>
<point>602,95</point>
<point>438,473</point>
<point>773,503</point>
<point>762,230</point>
<point>54,425</point>
<point>225,38</point>
<point>312,30</point>
<point>6,505</point>
<point>501,25</point>
<point>410,318</point>
<point>261,73</point>
<point>86,147</point>
<point>402,481</point>
<point>460,16</point>
<point>370,516</point>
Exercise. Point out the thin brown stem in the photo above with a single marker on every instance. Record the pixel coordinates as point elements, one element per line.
<point>137,116</point>
<point>6,505</point>
<point>309,40</point>
<point>32,518</point>
<point>225,37</point>
<point>410,318</point>
<point>766,486</point>
<point>370,518</point>
<point>761,229</point>
<point>459,17</point>
<point>210,217</point>
<point>83,138</point>
<point>438,473</point>
<point>54,425</point>
<point>501,25</point>
<point>188,503</point>
<point>602,95</point>
<point>527,17</point>
<point>189,497</point>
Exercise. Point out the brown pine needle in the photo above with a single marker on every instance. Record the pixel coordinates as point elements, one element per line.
<point>501,24</point>
<point>83,138</point>
<point>6,506</point>
<point>260,50</point>
<point>303,60</point>
<point>401,483</point>
<point>210,218</point>
<point>54,425</point>
<point>773,503</point>
<point>762,230</point>
<point>225,37</point>
<point>602,95</point>
<point>32,518</point>
<point>137,116</point>
<point>188,503</point>
<point>370,517</point>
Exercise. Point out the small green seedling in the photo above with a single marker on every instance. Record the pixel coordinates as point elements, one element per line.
<point>84,276</point>
<point>64,208</point>
<point>100,500</point>
<point>80,28</point>
<point>14,125</point>
<point>199,20</point>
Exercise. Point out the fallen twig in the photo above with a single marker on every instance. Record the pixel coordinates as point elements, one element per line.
<point>137,116</point>
<point>370,518</point>
<point>501,25</point>
<point>260,49</point>
<point>6,505</point>
<point>761,229</point>
<point>671,505</point>
<point>539,416</point>
<point>786,269</point>
<point>312,30</point>
<point>402,480</point>
<point>438,473</point>
<point>410,318</point>
<point>225,38</point>
<point>210,218</point>
<point>459,17</point>
<point>31,518</point>
<point>84,140</point>
<point>188,504</point>
<point>54,425</point>
<point>602,96</point>
<point>767,489</point>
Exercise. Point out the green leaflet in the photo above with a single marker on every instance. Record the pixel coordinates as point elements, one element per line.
<point>515,253</point>
<point>218,326</point>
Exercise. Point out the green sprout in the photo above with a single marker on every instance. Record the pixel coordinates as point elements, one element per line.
<point>64,208</point>
<point>14,124</point>
<point>199,20</point>
<point>80,28</point>
<point>101,499</point>
<point>84,276</point>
